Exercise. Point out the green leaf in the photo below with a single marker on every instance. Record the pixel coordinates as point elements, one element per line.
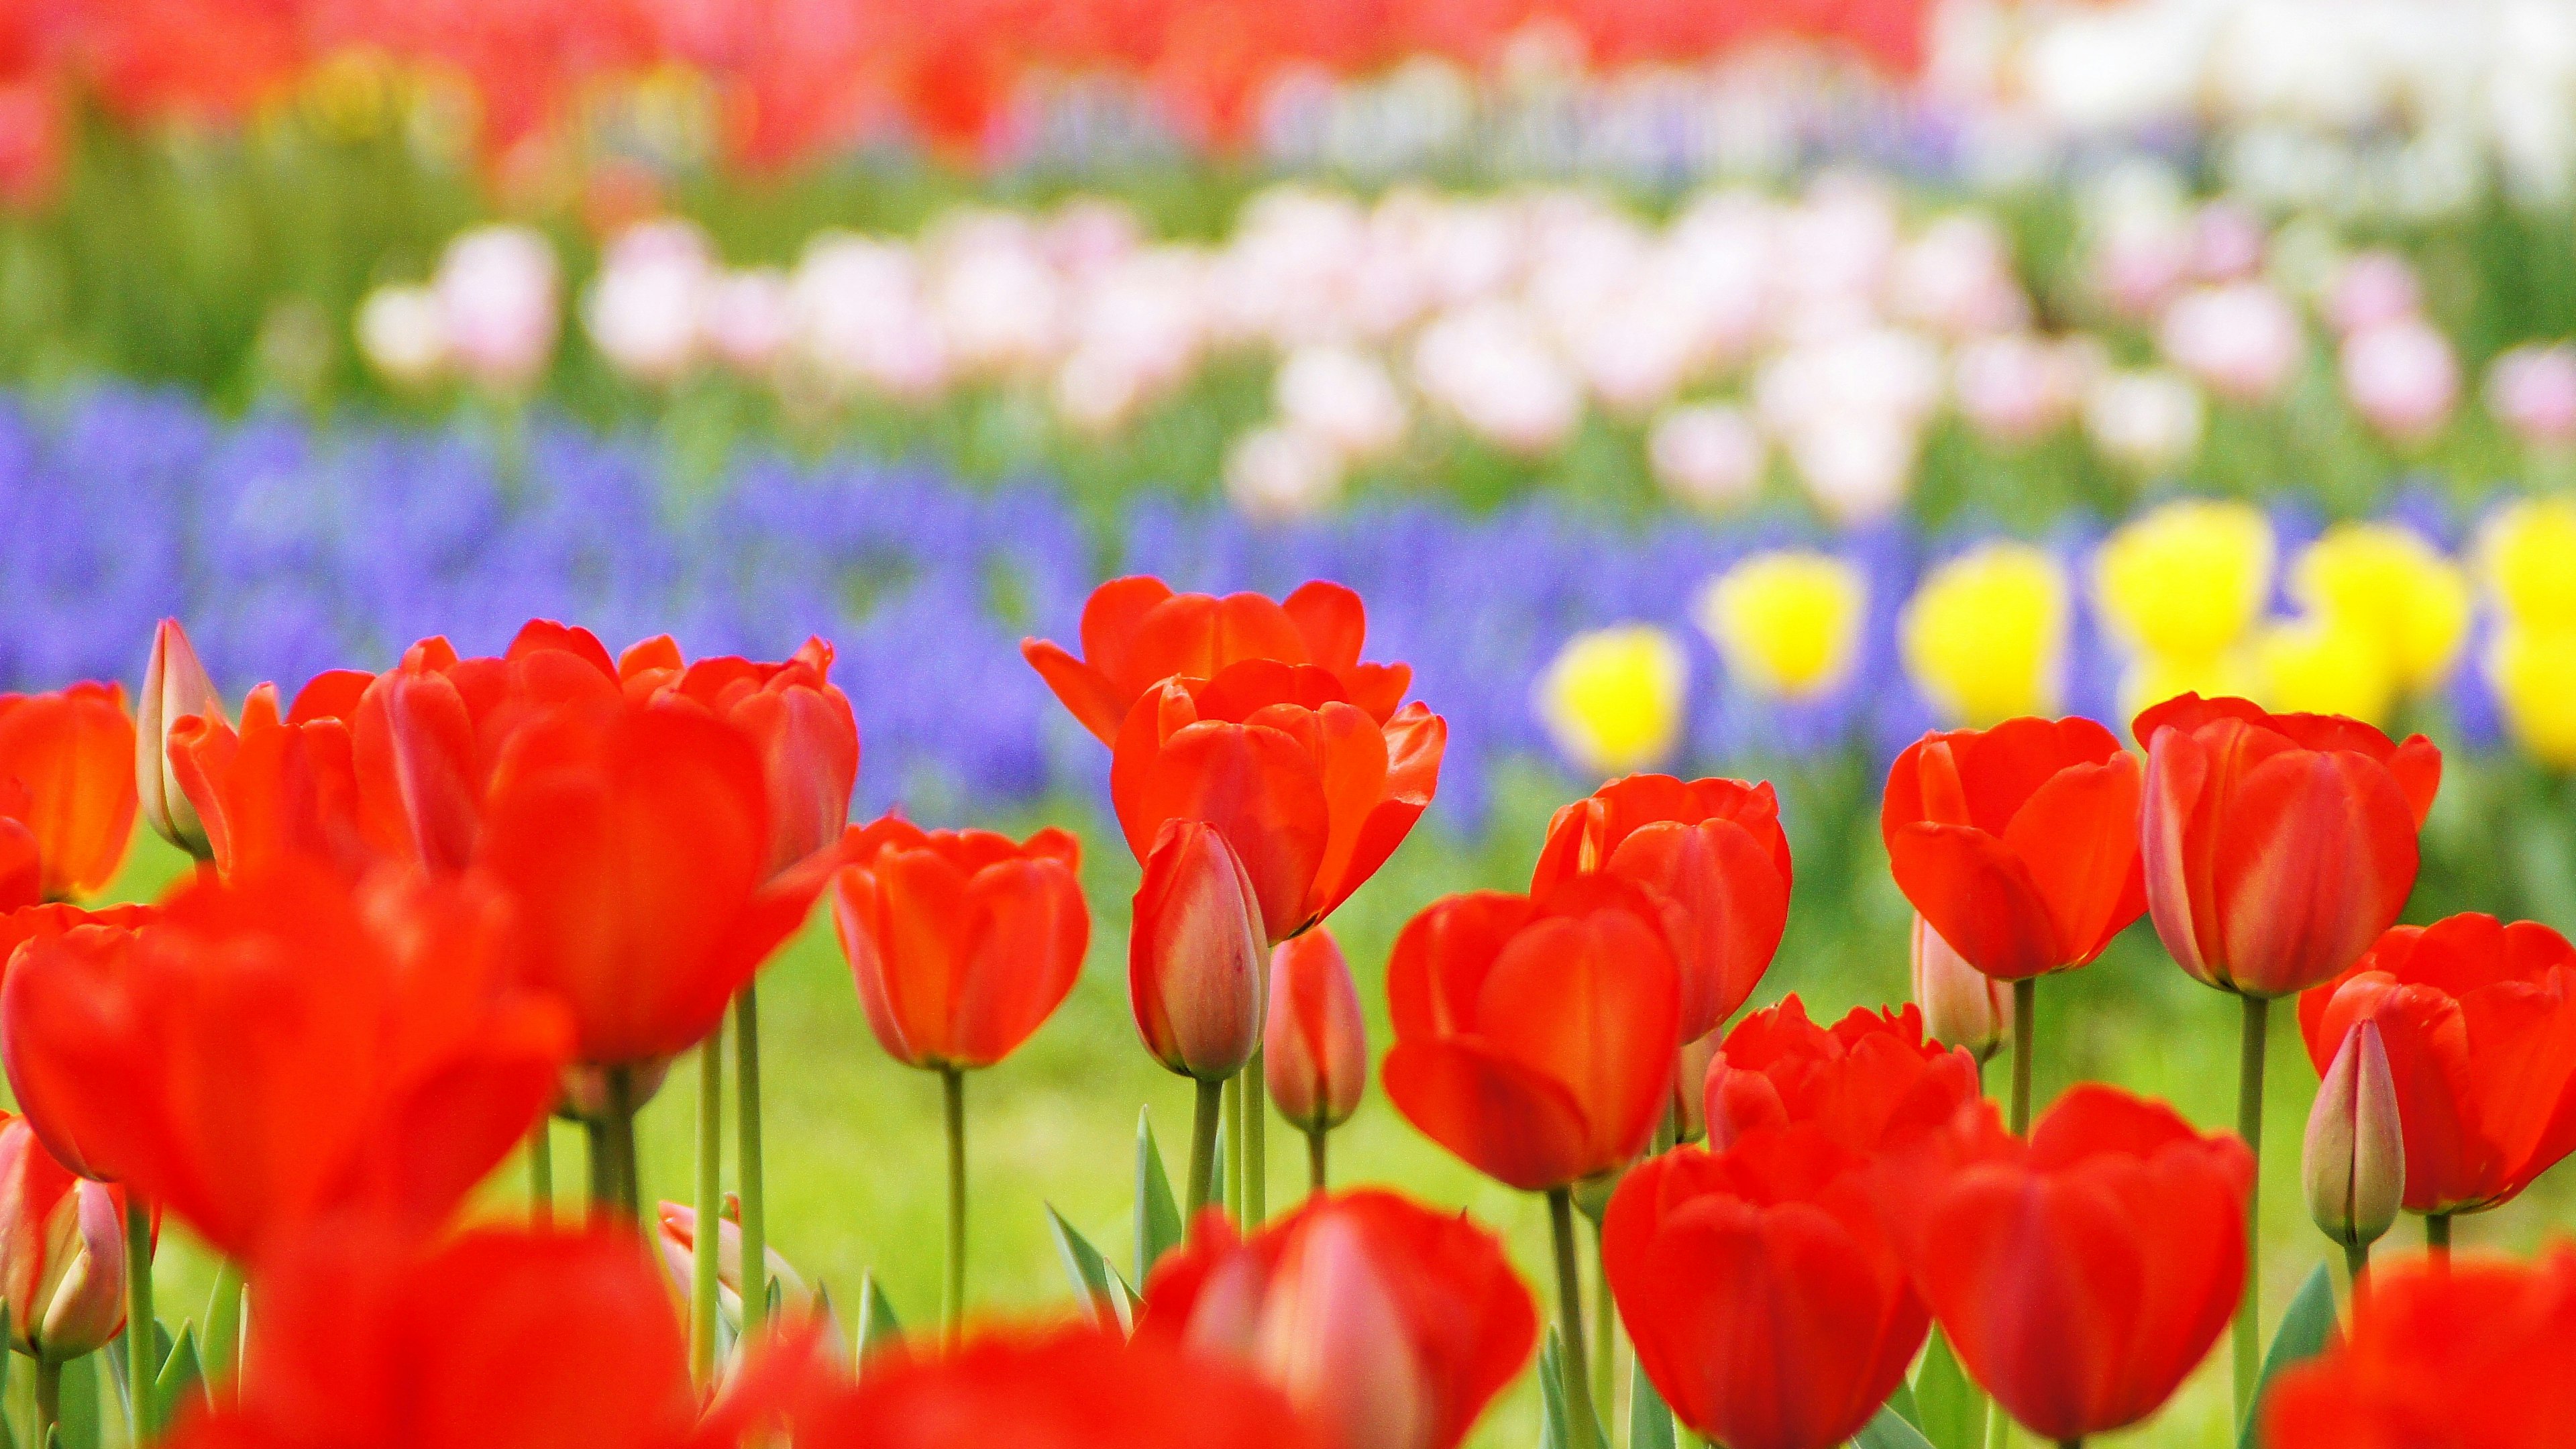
<point>1094,1281</point>
<point>2307,1329</point>
<point>878,1327</point>
<point>775,1302</point>
<point>1650,1424</point>
<point>1902,1401</point>
<point>80,1420</point>
<point>1158,1218</point>
<point>180,1374</point>
<point>1948,1408</point>
<point>1889,1431</point>
<point>1553,1433</point>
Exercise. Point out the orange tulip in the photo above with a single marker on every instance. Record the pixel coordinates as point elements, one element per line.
<point>62,1251</point>
<point>1310,790</point>
<point>1136,633</point>
<point>1535,1038</point>
<point>963,942</point>
<point>279,788</point>
<point>1867,1081</point>
<point>798,720</point>
<point>1195,955</point>
<point>67,775</point>
<point>1314,1053</point>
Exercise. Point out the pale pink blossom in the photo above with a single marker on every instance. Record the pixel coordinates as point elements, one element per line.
<point>2243,340</point>
<point>2532,391</point>
<point>2402,377</point>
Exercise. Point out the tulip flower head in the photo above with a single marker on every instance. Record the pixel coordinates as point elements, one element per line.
<point>284,786</point>
<point>1612,698</point>
<point>1788,624</point>
<point>2181,586</point>
<point>67,777</point>
<point>175,687</point>
<point>1314,1055</point>
<point>2476,1019</point>
<point>2353,1163</point>
<point>1392,1326</point>
<point>1767,1303</point>
<point>1710,852</point>
<point>1868,1081</point>
<point>1962,1006</point>
<point>1196,956</point>
<point>2277,847</point>
<point>1535,1038</point>
<point>963,941</point>
<point>2390,585</point>
<point>1985,636</point>
<point>678,1239</point>
<point>796,718</point>
<point>2019,843</point>
<point>62,1251</point>
<point>2533,673</point>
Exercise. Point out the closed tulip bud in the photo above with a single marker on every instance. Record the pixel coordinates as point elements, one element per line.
<point>62,1251</point>
<point>1196,954</point>
<point>175,687</point>
<point>1315,1056</point>
<point>678,1240</point>
<point>1962,1006</point>
<point>2355,1162</point>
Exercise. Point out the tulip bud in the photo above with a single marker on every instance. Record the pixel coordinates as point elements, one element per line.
<point>1195,956</point>
<point>2355,1159</point>
<point>62,1252</point>
<point>1314,1047</point>
<point>175,686</point>
<point>1962,1006</point>
<point>678,1240</point>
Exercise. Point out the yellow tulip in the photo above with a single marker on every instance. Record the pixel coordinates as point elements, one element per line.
<point>2152,678</point>
<point>2534,673</point>
<point>2186,581</point>
<point>1985,636</point>
<point>2321,665</point>
<point>1612,698</point>
<point>1787,623</point>
<point>2390,589</point>
<point>2528,554</point>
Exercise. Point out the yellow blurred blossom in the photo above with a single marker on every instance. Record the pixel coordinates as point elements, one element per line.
<point>1787,622</point>
<point>2394,592</point>
<point>2186,580</point>
<point>2323,665</point>
<point>1612,698</point>
<point>2534,673</point>
<point>2151,678</point>
<point>2528,555</point>
<point>1985,636</point>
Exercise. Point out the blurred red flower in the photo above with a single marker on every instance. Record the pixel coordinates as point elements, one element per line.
<point>62,1251</point>
<point>1869,1079</point>
<point>67,778</point>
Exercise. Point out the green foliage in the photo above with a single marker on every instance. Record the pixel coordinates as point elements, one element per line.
<point>1948,1408</point>
<point>2307,1329</point>
<point>1158,1218</point>
<point>1650,1423</point>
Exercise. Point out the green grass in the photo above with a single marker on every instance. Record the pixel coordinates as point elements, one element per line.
<point>855,1154</point>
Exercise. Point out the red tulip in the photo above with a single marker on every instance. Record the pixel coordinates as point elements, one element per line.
<point>2080,1276</point>
<point>1535,1039</point>
<point>62,1251</point>
<point>2277,847</point>
<point>1195,955</point>
<point>1391,1325</point>
<point>1314,1045</point>
<point>2479,1022</point>
<point>2019,844</point>
<point>1962,1006</point>
<point>963,942</point>
<point>1765,1300</point>
<point>1137,633</point>
<point>1870,1079</point>
<point>282,787</point>
<point>67,775</point>
<point>175,687</point>
<point>108,930</point>
<point>280,1048</point>
<point>1312,791</point>
<point>634,841</point>
<point>2470,1356</point>
<point>1712,852</point>
<point>796,718</point>
<point>1063,1388</point>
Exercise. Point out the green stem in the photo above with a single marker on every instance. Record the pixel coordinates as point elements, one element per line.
<point>953,1301</point>
<point>49,1400</point>
<point>541,1173</point>
<point>1203,1117</point>
<point>2025,1029</point>
<point>223,1323</point>
<point>2356,1265</point>
<point>706,1241</point>
<point>142,1347</point>
<point>1315,1138</point>
<point>603,1168</point>
<point>2249,1125</point>
<point>746,1156</point>
<point>1569,1321</point>
<point>1234,1145</point>
<point>2437,1240</point>
<point>1605,1325</point>
<point>1256,1143</point>
<point>621,1145</point>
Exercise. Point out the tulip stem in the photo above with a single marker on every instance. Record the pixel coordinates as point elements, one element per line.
<point>1315,1138</point>
<point>1256,1143</point>
<point>2437,1240</point>
<point>142,1346</point>
<point>49,1400</point>
<point>1203,1117</point>
<point>952,1306</point>
<point>541,1173</point>
<point>621,1144</point>
<point>1569,1321</point>
<point>1234,1145</point>
<point>1605,1326</point>
<point>223,1322</point>
<point>709,1203</point>
<point>746,1155</point>
<point>2249,1125</point>
<point>2025,1029</point>
<point>603,1171</point>
<point>2356,1266</point>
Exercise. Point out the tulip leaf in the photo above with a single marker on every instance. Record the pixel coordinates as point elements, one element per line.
<point>1158,1217</point>
<point>1097,1284</point>
<point>1947,1408</point>
<point>878,1328</point>
<point>1889,1431</point>
<point>1650,1424</point>
<point>1901,1401</point>
<point>79,1424</point>
<point>180,1373</point>
<point>1553,1433</point>
<point>2307,1329</point>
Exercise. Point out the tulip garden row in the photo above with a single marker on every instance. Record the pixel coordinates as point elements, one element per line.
<point>437,904</point>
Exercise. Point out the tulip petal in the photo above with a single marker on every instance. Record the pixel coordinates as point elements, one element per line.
<point>2077,836</point>
<point>2315,857</point>
<point>1510,1122</point>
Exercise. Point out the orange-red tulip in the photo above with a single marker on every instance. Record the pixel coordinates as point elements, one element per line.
<point>2478,1019</point>
<point>1765,1299</point>
<point>1391,1325</point>
<point>1195,954</point>
<point>1312,791</point>
<point>175,687</point>
<point>1314,1054</point>
<point>108,930</point>
<point>1136,633</point>
<point>281,787</point>
<point>798,720</point>
<point>963,942</point>
<point>1535,1039</point>
<point>1712,852</point>
<point>62,1251</point>
<point>1962,1006</point>
<point>279,1048</point>
<point>67,774</point>
<point>2081,1275</point>
<point>2277,847</point>
<point>2019,844</point>
<point>1871,1078</point>
<point>2473,1355</point>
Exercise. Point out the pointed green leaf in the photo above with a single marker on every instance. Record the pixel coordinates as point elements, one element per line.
<point>1158,1217</point>
<point>1902,1402</point>
<point>878,1327</point>
<point>1094,1282</point>
<point>1553,1433</point>
<point>1650,1424</point>
<point>180,1374</point>
<point>1889,1431</point>
<point>776,1300</point>
<point>80,1421</point>
<point>4,1354</point>
<point>1948,1408</point>
<point>2307,1329</point>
